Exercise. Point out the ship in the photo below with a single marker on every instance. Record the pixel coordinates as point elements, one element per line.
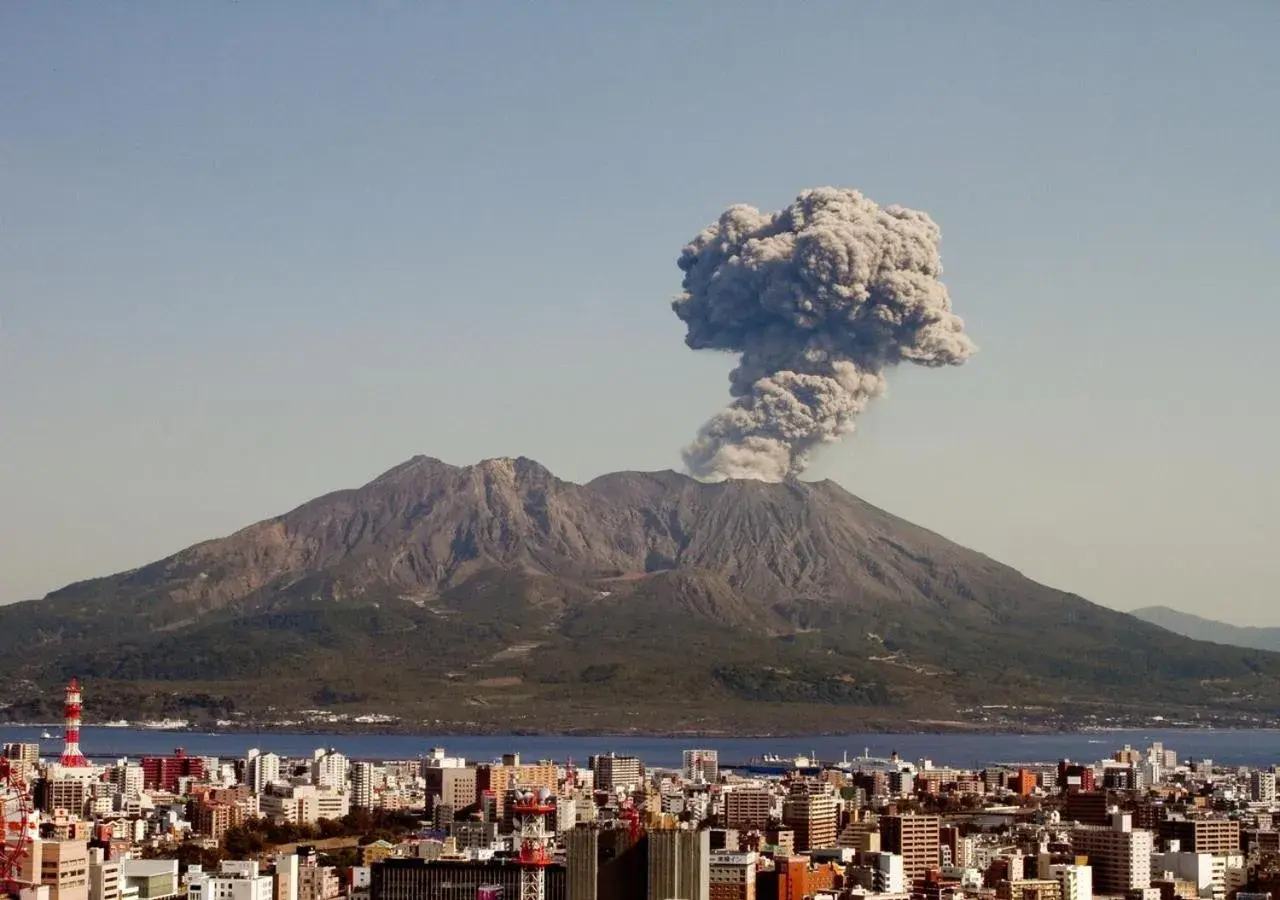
<point>772,764</point>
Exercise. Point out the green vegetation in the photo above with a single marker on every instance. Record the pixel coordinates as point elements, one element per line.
<point>258,836</point>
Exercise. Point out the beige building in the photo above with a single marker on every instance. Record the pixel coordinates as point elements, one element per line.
<point>303,804</point>
<point>917,839</point>
<point>813,813</point>
<point>66,793</point>
<point>318,883</point>
<point>453,786</point>
<point>499,778</point>
<point>64,869</point>
<point>1119,855</point>
<point>747,808</point>
<point>104,876</point>
<point>618,773</point>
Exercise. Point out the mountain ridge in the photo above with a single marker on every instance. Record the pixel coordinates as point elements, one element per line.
<point>508,597</point>
<point>1203,629</point>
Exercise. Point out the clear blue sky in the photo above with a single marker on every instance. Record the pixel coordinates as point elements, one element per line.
<point>253,252</point>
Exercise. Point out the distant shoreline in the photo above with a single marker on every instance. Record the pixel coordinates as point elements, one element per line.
<point>1007,730</point>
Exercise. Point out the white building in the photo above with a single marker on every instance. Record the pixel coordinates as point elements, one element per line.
<point>1076,881</point>
<point>236,880</point>
<point>303,804</point>
<point>260,770</point>
<point>888,875</point>
<point>702,766</point>
<point>127,778</point>
<point>104,876</point>
<point>1262,786</point>
<point>366,778</point>
<point>1120,856</point>
<point>1214,875</point>
<point>329,770</point>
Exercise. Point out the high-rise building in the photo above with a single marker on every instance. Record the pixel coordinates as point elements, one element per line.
<point>702,765</point>
<point>329,769</point>
<point>605,863</point>
<point>732,875</point>
<point>261,769</point>
<point>813,814</point>
<point>582,850</point>
<point>496,779</point>
<point>1024,783</point>
<point>452,786</point>
<point>1202,835</point>
<point>165,772</point>
<point>69,793</point>
<point>365,779</point>
<point>747,808</point>
<point>617,773</point>
<point>128,779</point>
<point>1119,855</point>
<point>1088,808</point>
<point>1262,786</point>
<point>917,839</point>
<point>679,864</point>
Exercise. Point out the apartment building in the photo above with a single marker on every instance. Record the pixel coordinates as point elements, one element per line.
<point>747,808</point>
<point>811,811</point>
<point>1119,855</point>
<point>917,839</point>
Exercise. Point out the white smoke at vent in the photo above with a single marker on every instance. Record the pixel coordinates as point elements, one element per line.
<point>819,299</point>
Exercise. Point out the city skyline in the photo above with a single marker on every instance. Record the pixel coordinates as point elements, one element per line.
<point>255,255</point>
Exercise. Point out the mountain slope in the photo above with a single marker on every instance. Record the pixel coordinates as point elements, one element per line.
<point>499,596</point>
<point>1201,629</point>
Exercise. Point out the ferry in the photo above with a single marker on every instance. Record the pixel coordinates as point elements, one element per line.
<point>772,764</point>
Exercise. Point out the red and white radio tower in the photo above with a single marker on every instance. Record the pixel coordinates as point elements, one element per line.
<point>71,755</point>
<point>529,816</point>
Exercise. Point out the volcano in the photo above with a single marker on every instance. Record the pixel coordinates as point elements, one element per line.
<point>497,597</point>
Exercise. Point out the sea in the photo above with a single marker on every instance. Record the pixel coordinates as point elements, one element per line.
<point>1228,747</point>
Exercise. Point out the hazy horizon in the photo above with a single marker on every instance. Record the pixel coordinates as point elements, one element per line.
<point>255,254</point>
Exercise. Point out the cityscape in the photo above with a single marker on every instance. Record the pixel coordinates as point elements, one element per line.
<point>1142,823</point>
<point>627,451</point>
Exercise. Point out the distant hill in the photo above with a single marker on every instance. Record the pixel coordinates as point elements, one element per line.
<point>499,597</point>
<point>1208,630</point>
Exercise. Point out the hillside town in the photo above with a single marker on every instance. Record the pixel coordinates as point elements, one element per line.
<point>1142,824</point>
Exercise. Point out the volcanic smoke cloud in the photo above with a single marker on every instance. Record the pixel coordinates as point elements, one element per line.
<point>819,299</point>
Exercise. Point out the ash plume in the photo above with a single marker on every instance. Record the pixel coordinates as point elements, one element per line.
<point>819,299</point>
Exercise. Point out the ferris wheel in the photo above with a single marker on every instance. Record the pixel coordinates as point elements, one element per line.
<point>15,819</point>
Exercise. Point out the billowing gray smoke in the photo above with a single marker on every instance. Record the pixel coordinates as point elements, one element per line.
<point>818,299</point>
